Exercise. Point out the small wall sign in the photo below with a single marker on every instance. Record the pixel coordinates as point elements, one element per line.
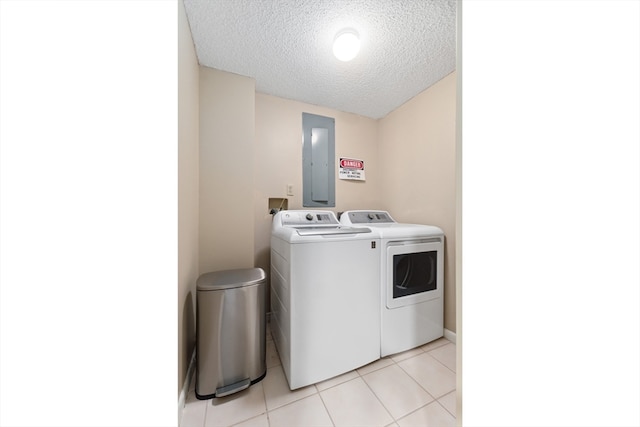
<point>351,169</point>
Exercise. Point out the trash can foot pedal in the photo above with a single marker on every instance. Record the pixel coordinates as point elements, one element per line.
<point>233,388</point>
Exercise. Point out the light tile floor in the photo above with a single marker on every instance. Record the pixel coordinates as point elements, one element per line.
<point>414,388</point>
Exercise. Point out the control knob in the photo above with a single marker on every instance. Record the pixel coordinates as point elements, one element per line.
<point>309,217</point>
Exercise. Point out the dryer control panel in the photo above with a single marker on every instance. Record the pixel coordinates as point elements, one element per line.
<point>369,217</point>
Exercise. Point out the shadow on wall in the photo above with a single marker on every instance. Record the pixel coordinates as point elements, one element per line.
<point>188,332</point>
<point>263,260</point>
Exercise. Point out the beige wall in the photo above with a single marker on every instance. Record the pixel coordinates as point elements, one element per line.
<point>227,123</point>
<point>187,192</point>
<point>417,145</point>
<point>278,159</point>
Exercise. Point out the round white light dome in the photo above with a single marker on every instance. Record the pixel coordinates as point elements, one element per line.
<point>346,45</point>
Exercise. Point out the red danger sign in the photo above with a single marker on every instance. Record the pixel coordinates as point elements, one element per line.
<point>352,169</point>
<point>351,164</point>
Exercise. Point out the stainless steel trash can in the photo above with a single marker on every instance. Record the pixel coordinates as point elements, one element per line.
<point>230,331</point>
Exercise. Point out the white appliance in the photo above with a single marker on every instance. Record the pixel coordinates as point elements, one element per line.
<point>412,280</point>
<point>325,296</point>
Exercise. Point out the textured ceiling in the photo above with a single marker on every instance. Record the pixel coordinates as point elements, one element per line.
<point>286,46</point>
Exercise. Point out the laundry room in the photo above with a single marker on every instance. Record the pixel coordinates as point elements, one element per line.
<point>211,216</point>
<point>243,158</point>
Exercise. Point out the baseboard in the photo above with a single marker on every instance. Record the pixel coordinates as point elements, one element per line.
<point>182,400</point>
<point>451,336</point>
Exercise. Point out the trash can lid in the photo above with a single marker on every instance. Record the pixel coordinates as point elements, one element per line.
<point>228,279</point>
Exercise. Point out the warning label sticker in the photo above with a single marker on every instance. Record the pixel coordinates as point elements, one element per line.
<point>351,169</point>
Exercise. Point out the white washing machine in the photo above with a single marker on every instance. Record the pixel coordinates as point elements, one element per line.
<point>412,280</point>
<point>325,296</point>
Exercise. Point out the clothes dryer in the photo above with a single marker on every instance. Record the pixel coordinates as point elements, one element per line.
<point>325,296</point>
<point>412,280</point>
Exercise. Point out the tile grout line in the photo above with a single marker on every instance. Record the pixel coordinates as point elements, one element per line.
<point>325,405</point>
<point>445,408</point>
<point>420,385</point>
<point>436,359</point>
<point>424,406</point>
<point>264,392</point>
<point>378,398</point>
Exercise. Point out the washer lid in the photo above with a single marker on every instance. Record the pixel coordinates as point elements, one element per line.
<point>229,279</point>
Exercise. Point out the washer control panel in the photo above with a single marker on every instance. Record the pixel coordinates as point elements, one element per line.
<point>296,218</point>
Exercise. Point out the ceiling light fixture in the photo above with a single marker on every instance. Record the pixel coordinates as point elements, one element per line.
<point>346,45</point>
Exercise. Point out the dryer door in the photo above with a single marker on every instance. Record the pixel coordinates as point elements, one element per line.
<point>413,272</point>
